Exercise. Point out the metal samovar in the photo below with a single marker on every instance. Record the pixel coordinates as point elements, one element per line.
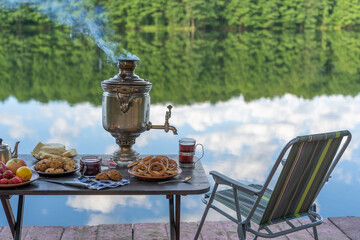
<point>126,109</point>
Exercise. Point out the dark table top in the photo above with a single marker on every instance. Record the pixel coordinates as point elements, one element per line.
<point>199,183</point>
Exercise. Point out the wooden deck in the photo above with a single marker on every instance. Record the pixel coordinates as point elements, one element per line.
<point>336,228</point>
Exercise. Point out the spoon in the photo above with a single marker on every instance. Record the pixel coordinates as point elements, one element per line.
<point>177,180</point>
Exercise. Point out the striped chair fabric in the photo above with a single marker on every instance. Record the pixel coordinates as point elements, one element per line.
<point>246,201</point>
<point>300,181</point>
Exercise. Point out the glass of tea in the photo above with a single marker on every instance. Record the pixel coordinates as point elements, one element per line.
<point>187,148</point>
<point>90,165</point>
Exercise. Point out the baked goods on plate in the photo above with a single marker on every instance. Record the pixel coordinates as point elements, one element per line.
<point>154,168</point>
<point>54,166</point>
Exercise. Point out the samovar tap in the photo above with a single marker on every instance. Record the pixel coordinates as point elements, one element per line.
<point>166,126</point>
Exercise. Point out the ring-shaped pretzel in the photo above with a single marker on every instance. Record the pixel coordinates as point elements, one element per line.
<point>155,166</point>
<point>172,172</point>
<point>134,163</point>
<point>147,160</point>
<point>165,160</point>
<point>154,160</point>
<point>156,169</point>
<point>141,169</point>
<point>172,165</point>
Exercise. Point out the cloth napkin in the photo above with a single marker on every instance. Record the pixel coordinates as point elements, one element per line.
<point>97,185</point>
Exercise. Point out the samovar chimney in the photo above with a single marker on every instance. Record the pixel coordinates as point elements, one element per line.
<point>126,109</point>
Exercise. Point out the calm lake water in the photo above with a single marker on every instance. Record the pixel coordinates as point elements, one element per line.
<point>242,95</point>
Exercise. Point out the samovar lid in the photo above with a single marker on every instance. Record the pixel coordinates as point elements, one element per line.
<point>126,77</point>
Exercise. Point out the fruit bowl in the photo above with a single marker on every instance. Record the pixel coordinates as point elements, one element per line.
<point>34,177</point>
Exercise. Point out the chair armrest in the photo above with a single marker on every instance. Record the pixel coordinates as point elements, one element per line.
<point>222,179</point>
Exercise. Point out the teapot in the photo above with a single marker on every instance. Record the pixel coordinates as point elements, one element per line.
<point>5,151</point>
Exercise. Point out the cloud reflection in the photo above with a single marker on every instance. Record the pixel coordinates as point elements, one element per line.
<point>106,204</point>
<point>241,139</point>
<point>97,219</point>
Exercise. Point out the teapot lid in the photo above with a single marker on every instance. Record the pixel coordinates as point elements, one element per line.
<point>2,145</point>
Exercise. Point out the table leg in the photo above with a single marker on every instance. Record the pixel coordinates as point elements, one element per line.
<point>174,213</point>
<point>172,217</point>
<point>15,226</point>
<point>177,215</point>
<point>19,218</point>
<point>8,212</point>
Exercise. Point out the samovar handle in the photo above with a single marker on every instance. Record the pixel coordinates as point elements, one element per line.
<point>125,102</point>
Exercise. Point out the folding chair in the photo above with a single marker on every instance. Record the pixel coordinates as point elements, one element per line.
<point>309,163</point>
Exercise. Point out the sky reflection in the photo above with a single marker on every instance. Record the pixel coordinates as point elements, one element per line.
<point>241,139</point>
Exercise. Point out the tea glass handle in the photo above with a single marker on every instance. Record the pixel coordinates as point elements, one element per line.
<point>202,150</point>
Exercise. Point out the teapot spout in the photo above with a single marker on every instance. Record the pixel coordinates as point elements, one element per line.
<point>14,154</point>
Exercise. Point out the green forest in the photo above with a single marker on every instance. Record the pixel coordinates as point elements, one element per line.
<point>208,67</point>
<point>271,57</point>
<point>209,14</point>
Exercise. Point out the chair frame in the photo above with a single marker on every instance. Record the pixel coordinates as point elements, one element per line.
<point>245,225</point>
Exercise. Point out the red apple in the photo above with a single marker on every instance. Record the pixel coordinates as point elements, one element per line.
<point>8,174</point>
<point>3,181</point>
<point>3,167</point>
<point>14,163</point>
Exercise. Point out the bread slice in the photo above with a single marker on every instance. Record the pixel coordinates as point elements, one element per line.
<point>70,153</point>
<point>37,148</point>
<point>42,155</point>
<point>53,148</point>
<point>47,150</point>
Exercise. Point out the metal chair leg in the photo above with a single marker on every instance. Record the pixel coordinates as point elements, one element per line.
<point>315,233</point>
<point>211,199</point>
<point>241,231</point>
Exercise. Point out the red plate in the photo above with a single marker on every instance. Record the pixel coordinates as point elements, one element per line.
<point>34,177</point>
<point>153,178</point>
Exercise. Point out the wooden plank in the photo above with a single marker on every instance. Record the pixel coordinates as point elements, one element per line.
<point>231,230</point>
<point>339,228</point>
<point>327,230</point>
<point>299,235</point>
<point>6,233</point>
<point>44,233</point>
<point>187,230</point>
<point>114,232</point>
<point>274,228</point>
<point>349,225</point>
<point>212,231</point>
<point>80,233</point>
<point>150,231</point>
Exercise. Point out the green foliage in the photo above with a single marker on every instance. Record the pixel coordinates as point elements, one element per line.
<point>183,68</point>
<point>207,14</point>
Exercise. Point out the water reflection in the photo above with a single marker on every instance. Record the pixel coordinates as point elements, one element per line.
<point>241,139</point>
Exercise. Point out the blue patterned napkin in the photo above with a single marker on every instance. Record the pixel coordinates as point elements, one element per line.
<point>97,185</point>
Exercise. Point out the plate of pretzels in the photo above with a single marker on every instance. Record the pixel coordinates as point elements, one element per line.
<point>153,168</point>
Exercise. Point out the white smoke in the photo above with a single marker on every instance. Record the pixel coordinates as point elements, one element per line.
<point>76,15</point>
